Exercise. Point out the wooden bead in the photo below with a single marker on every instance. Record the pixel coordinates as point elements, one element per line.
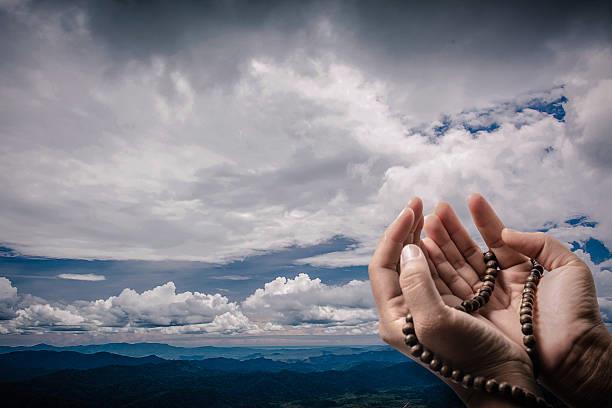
<point>537,268</point>
<point>460,308</point>
<point>526,310</point>
<point>486,289</point>
<point>411,340</point>
<point>489,278</point>
<point>486,295</point>
<point>533,278</point>
<point>416,350</point>
<point>435,364</point>
<point>491,264</point>
<point>467,380</point>
<point>527,328</point>
<point>426,356</point>
<point>479,383</point>
<point>492,386</point>
<point>408,328</point>
<point>529,298</point>
<point>457,375</point>
<point>488,256</point>
<point>531,352</point>
<point>527,304</point>
<point>467,305</point>
<point>481,300</point>
<point>505,388</point>
<point>526,318</point>
<point>518,393</point>
<point>528,290</point>
<point>531,285</point>
<point>445,370</point>
<point>529,340</point>
<point>491,271</point>
<point>489,285</point>
<point>409,318</point>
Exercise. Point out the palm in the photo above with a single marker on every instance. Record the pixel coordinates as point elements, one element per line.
<point>566,306</point>
<point>471,334</point>
<point>499,316</point>
<point>563,314</point>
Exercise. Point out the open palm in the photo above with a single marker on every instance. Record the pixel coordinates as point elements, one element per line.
<point>459,263</point>
<point>566,306</point>
<point>420,290</point>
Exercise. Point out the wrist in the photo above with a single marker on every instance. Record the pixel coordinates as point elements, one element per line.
<point>584,378</point>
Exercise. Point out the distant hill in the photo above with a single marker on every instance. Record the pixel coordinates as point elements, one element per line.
<point>193,383</point>
<point>21,365</point>
<point>169,352</point>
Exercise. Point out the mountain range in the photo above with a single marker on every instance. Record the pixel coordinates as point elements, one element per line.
<point>342,377</point>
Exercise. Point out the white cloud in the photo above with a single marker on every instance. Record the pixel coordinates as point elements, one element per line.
<point>228,147</point>
<point>293,150</point>
<point>300,306</point>
<point>305,301</point>
<point>8,299</point>
<point>82,276</point>
<point>232,277</point>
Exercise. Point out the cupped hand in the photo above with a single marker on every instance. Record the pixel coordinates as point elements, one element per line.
<point>468,342</point>
<point>569,331</point>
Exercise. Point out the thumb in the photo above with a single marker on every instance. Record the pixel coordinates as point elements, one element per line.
<point>417,284</point>
<point>545,249</point>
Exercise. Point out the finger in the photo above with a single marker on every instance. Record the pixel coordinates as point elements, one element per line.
<point>436,231</point>
<point>416,204</point>
<point>545,249</point>
<point>470,251</point>
<point>443,289</point>
<point>490,227</point>
<point>420,293</point>
<point>455,282</point>
<point>382,272</point>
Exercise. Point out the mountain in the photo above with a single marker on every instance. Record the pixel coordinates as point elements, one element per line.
<point>20,365</point>
<point>191,383</point>
<point>169,352</point>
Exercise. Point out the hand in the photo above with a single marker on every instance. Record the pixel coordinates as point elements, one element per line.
<point>468,342</point>
<point>573,344</point>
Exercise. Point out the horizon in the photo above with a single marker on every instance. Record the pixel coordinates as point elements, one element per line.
<point>220,172</point>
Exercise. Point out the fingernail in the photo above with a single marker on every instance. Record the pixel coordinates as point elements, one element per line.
<point>410,252</point>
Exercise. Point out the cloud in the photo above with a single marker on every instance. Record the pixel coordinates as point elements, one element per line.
<point>232,277</point>
<point>232,131</point>
<point>304,301</point>
<point>605,304</point>
<point>302,305</point>
<point>92,277</point>
<point>8,299</point>
<point>160,307</point>
<point>180,152</point>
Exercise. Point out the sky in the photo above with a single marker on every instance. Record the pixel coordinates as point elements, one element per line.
<point>219,172</point>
